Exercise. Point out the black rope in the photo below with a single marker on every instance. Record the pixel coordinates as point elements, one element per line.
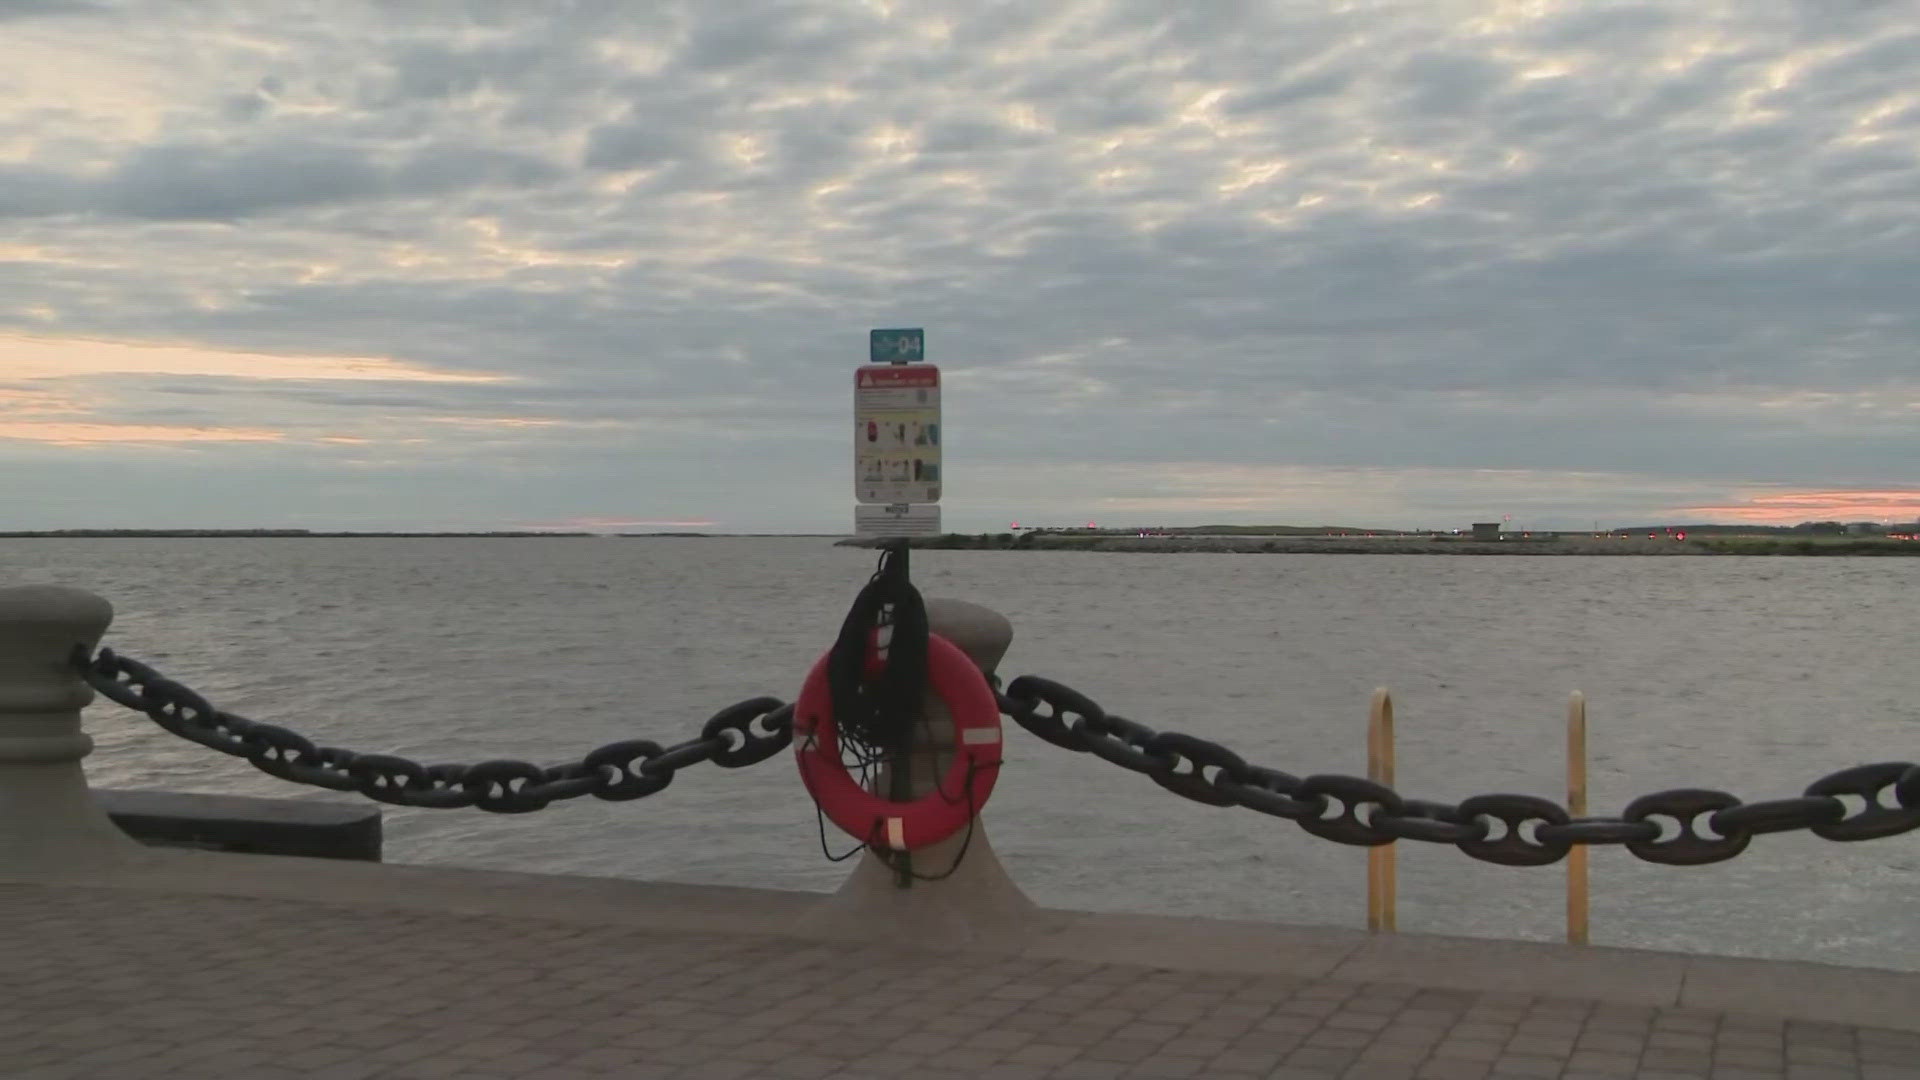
<point>820,819</point>
<point>875,717</point>
<point>904,867</point>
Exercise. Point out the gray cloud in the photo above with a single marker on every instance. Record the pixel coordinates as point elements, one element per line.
<point>207,181</point>
<point>1671,242</point>
<point>14,10</point>
<point>32,191</point>
<point>220,182</point>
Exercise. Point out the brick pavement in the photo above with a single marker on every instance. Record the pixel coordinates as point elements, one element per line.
<point>114,983</point>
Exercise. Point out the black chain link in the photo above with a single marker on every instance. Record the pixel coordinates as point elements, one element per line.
<point>1513,830</point>
<point>737,736</point>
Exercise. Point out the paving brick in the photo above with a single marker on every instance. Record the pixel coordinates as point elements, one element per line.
<point>1423,1037</point>
<point>1602,1062</point>
<point>1168,1068</point>
<point>1453,1070</point>
<point>1680,1040</point>
<point>1360,1021</point>
<point>1815,1034</point>
<point>1883,1037</point>
<point>1657,1060</point>
<point>1695,1020</point>
<point>1820,1055</point>
<point>1426,1016</point>
<point>1082,1069</point>
<point>1320,1058</point>
<point>1267,1041</point>
<point>1528,1065</point>
<point>1468,1050</point>
<point>1746,1038</point>
<point>1613,1042</point>
<point>176,986</point>
<point>1871,1054</point>
<point>1123,1050</point>
<point>1821,1072</point>
<point>1337,1039</point>
<point>1524,1044</point>
<point>1547,1028</point>
<point>1388,1054</point>
<point>1256,1061</point>
<point>1042,1054</point>
<point>1750,1057</point>
<point>1376,1070</point>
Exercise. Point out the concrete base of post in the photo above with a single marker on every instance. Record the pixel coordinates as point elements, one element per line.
<point>49,821</point>
<point>978,902</point>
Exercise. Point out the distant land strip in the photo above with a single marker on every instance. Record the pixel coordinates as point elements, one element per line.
<point>1539,544</point>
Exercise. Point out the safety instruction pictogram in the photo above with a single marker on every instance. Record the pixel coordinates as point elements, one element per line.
<point>896,433</point>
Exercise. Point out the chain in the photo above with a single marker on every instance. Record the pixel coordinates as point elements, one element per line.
<point>737,736</point>
<point>1700,826</point>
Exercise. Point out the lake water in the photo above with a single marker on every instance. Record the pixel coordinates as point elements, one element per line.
<point>1751,675</point>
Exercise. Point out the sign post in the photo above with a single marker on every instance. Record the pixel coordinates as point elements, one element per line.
<point>896,438</point>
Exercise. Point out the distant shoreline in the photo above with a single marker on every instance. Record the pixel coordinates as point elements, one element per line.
<point>1186,543</point>
<point>1408,545</point>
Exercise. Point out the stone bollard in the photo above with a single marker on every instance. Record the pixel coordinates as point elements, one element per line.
<point>49,821</point>
<point>978,902</point>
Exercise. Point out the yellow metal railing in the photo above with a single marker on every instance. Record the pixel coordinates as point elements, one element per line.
<point>1382,880</point>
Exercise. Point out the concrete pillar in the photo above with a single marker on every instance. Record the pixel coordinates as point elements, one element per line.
<point>979,902</point>
<point>48,819</point>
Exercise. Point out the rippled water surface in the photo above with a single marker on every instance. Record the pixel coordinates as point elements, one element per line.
<point>1751,675</point>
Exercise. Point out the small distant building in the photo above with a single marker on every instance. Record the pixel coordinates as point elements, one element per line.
<point>1486,530</point>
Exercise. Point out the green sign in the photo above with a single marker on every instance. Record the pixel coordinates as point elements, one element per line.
<point>897,346</point>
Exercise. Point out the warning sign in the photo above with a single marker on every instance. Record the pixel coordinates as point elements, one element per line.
<point>896,520</point>
<point>896,433</point>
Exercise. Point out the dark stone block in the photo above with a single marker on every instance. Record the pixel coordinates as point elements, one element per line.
<point>324,830</point>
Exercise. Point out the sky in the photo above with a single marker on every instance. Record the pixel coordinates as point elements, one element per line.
<point>510,264</point>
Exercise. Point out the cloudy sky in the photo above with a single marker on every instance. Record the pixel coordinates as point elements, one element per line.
<point>610,263</point>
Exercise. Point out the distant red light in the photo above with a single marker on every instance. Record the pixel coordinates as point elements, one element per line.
<point>1681,535</point>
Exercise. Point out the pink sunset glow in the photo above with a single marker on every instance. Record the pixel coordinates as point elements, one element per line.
<point>1792,508</point>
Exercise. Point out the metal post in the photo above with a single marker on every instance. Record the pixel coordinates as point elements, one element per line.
<point>1382,887</point>
<point>49,821</point>
<point>1577,807</point>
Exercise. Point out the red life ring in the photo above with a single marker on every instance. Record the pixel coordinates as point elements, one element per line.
<point>904,826</point>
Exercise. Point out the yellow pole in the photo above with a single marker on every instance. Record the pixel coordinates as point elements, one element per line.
<point>1381,884</point>
<point>1577,806</point>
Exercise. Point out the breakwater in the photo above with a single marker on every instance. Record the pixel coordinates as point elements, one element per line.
<point>1399,545</point>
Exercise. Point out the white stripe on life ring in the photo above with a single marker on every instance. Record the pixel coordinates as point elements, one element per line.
<point>975,736</point>
<point>897,834</point>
